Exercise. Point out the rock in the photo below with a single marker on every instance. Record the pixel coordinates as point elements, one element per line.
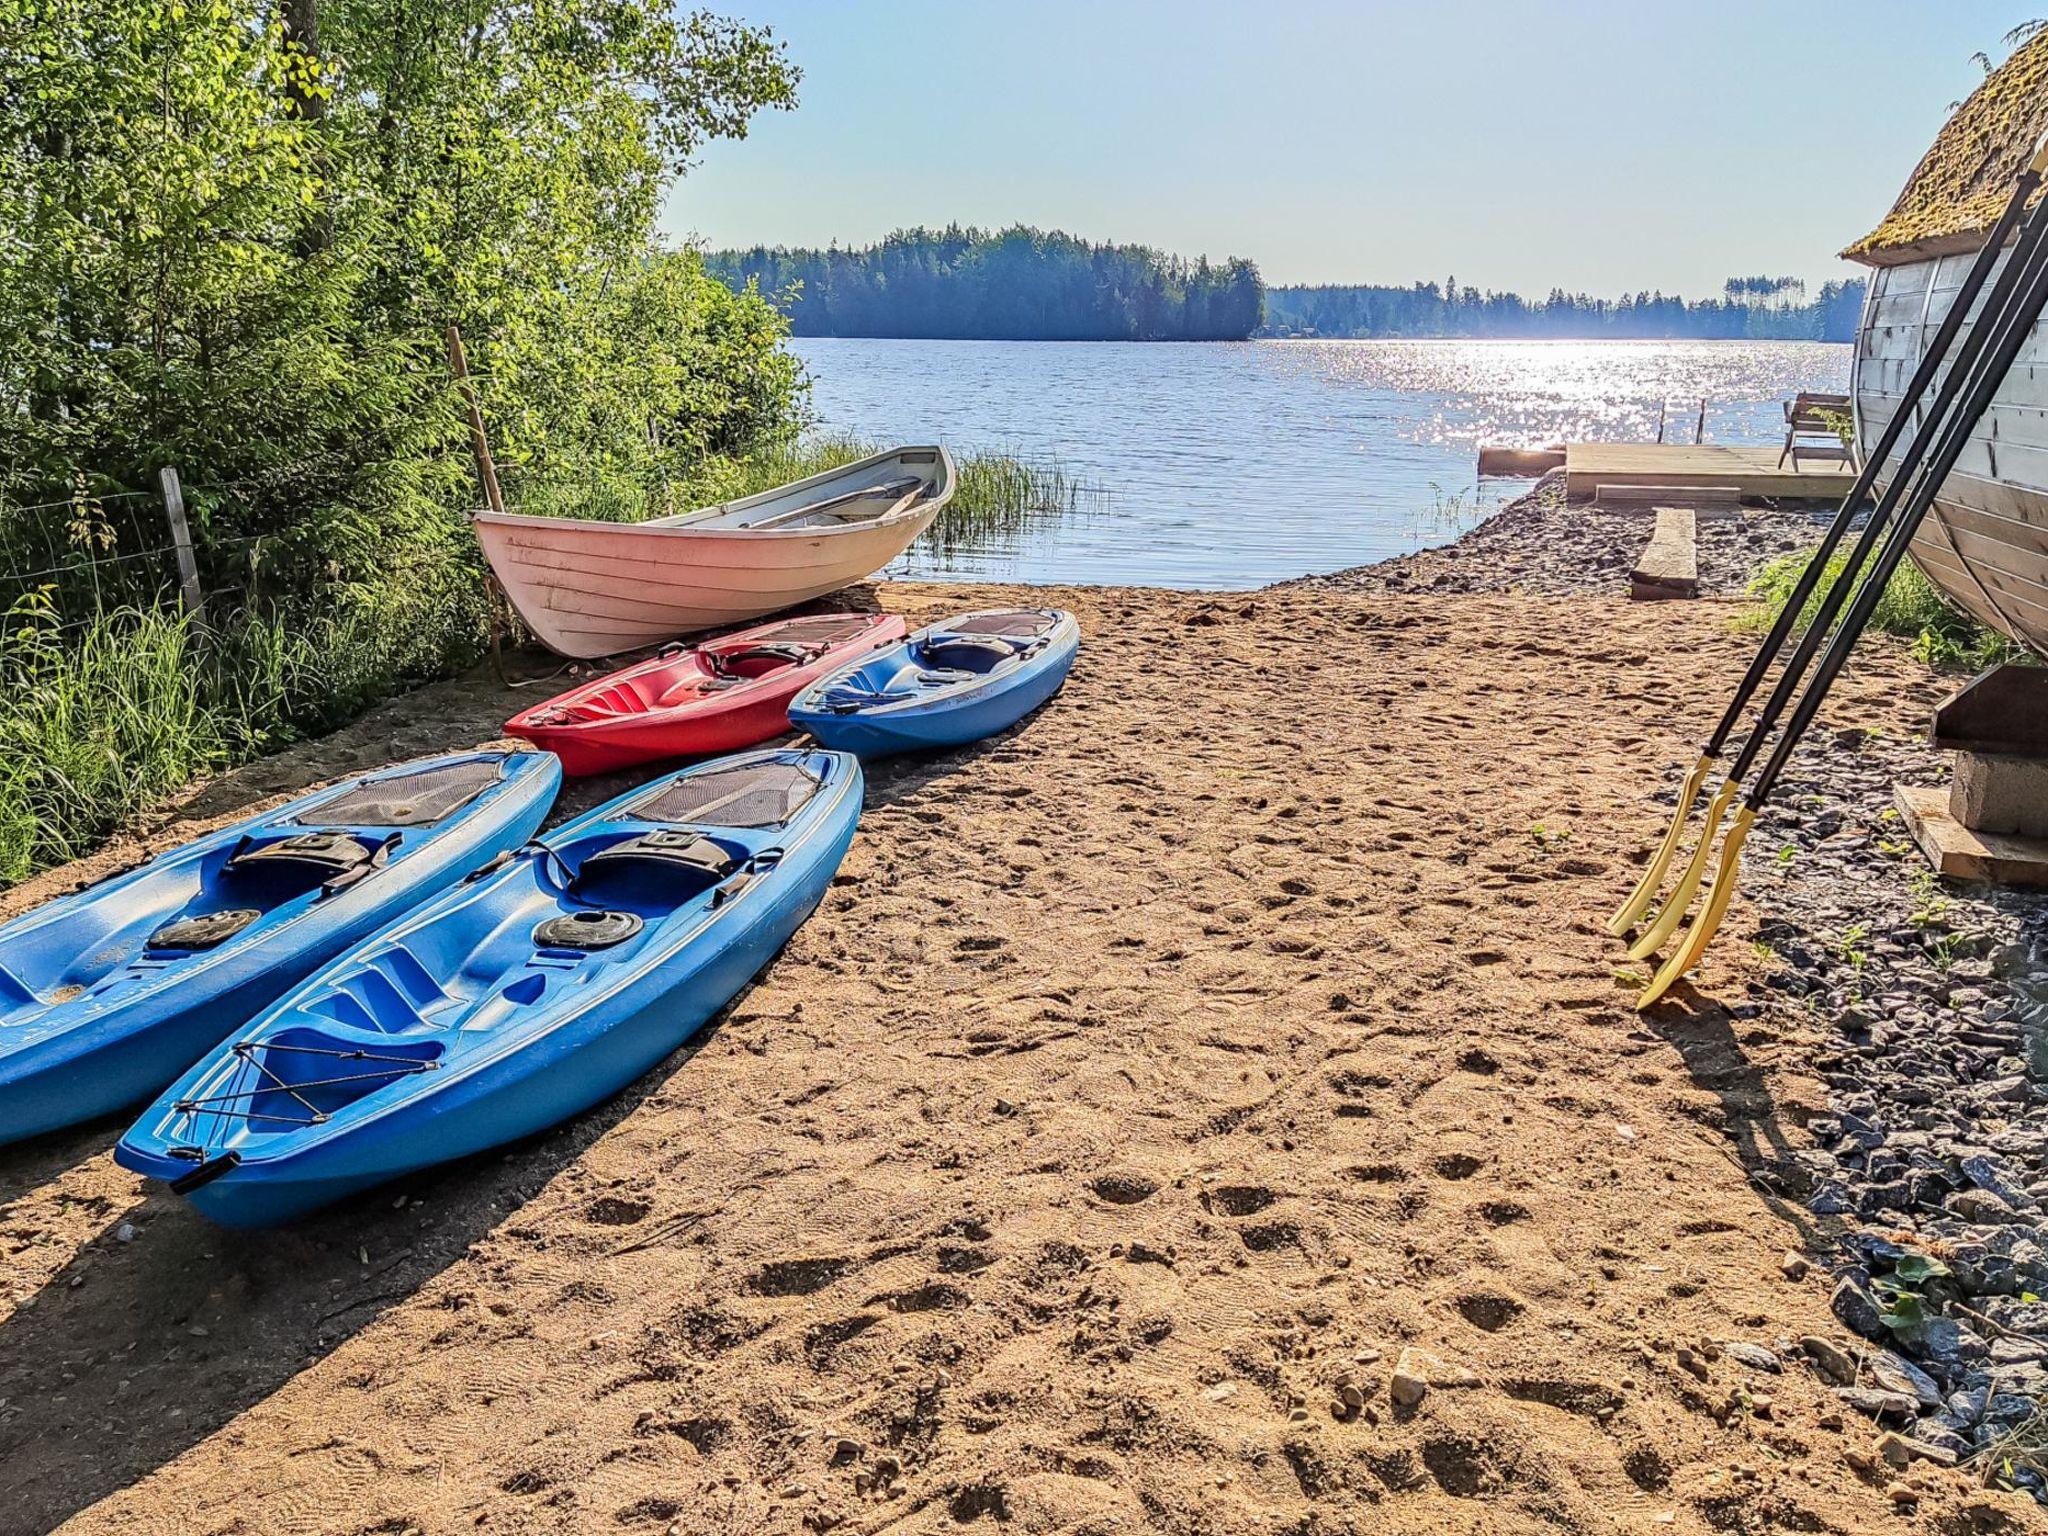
<point>1980,1205</point>
<point>1891,1372</point>
<point>1939,1443</point>
<point>1830,1359</point>
<point>1857,1309</point>
<point>1878,1405</point>
<point>1755,1356</point>
<point>1794,1265</point>
<point>125,1233</point>
<point>1895,1448</point>
<point>1409,1384</point>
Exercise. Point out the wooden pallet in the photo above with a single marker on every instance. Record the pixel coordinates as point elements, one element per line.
<point>1961,854</point>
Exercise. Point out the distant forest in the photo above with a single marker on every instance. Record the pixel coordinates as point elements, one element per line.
<point>1749,309</point>
<point>1016,284</point>
<point>1024,284</point>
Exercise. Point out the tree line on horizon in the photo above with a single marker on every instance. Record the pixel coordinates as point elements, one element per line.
<point>1750,309</point>
<point>1026,284</point>
<point>1016,284</point>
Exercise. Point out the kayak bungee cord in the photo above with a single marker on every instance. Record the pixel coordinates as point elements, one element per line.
<point>1640,899</point>
<point>2012,325</point>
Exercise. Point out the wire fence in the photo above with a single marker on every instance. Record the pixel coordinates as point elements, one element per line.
<point>65,564</point>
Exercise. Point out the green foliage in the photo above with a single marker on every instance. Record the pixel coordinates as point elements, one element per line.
<point>1911,608</point>
<point>1018,284</point>
<point>231,237</point>
<point>234,237</point>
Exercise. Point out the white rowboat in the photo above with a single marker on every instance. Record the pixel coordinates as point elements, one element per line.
<point>588,588</point>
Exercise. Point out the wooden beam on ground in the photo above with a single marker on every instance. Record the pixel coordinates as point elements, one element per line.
<point>1669,565</point>
<point>1697,497</point>
<point>1960,854</point>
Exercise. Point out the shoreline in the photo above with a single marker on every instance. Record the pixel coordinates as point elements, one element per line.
<point>1237,1032</point>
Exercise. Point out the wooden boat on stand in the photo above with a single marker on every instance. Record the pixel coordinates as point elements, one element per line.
<point>589,588</point>
<point>1985,544</point>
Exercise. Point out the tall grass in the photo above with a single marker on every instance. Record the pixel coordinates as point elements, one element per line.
<point>102,720</point>
<point>1911,607</point>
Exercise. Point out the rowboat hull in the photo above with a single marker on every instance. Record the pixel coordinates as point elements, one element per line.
<point>588,588</point>
<point>1985,543</point>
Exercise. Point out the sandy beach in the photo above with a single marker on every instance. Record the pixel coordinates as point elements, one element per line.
<point>1150,1081</point>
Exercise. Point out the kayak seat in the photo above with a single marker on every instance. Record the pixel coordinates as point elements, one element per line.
<point>268,873</point>
<point>968,653</point>
<point>756,660</point>
<point>656,871</point>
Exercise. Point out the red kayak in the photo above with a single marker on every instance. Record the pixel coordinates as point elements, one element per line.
<point>720,696</point>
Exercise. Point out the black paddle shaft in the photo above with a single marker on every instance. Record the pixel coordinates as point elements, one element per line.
<point>1923,379</point>
<point>1962,376</point>
<point>2014,326</point>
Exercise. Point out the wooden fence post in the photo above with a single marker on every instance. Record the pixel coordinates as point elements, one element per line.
<point>181,543</point>
<point>1699,429</point>
<point>480,445</point>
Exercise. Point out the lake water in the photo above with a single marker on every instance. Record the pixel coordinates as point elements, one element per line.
<point>1234,465</point>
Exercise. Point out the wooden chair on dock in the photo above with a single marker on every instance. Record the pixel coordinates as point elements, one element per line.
<point>1814,415</point>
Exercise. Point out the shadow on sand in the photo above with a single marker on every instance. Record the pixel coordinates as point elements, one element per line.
<point>138,1349</point>
<point>1703,1034</point>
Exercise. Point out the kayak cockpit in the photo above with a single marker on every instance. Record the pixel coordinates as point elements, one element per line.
<point>493,964</point>
<point>680,675</point>
<point>221,894</point>
<point>960,654</point>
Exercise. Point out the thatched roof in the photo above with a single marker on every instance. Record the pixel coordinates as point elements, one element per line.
<point>1960,187</point>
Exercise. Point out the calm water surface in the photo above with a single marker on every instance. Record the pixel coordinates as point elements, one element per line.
<point>1236,465</point>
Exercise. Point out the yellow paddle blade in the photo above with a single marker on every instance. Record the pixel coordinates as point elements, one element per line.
<point>1695,943</point>
<point>1645,892</point>
<point>1680,899</point>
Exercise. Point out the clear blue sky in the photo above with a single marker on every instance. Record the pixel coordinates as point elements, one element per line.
<point>1603,146</point>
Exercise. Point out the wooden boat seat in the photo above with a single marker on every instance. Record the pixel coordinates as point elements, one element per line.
<point>895,492</point>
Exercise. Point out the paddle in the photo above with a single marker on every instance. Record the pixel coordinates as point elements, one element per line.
<point>1639,900</point>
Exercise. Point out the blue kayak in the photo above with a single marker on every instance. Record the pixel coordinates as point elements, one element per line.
<point>953,683</point>
<point>543,986</point>
<point>109,993</point>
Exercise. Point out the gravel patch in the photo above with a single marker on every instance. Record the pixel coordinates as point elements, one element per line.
<point>1539,544</point>
<point>1934,1154</point>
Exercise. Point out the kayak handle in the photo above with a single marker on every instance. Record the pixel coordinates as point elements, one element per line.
<point>534,849</point>
<point>205,1173</point>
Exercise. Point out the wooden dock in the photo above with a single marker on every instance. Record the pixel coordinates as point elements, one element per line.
<point>1678,467</point>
